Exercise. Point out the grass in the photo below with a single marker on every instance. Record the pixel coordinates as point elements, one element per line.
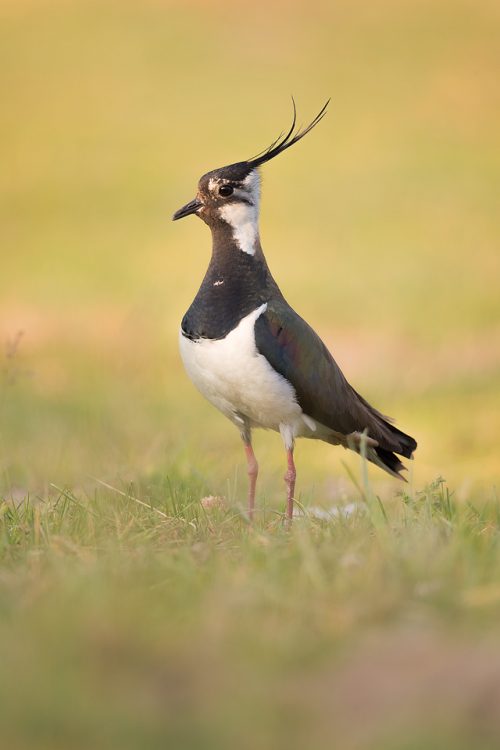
<point>144,620</point>
<point>111,115</point>
<point>130,614</point>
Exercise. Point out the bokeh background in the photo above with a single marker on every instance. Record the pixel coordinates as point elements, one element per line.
<point>381,227</point>
<point>167,624</point>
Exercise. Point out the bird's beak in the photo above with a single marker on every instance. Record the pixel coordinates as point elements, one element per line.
<point>190,208</point>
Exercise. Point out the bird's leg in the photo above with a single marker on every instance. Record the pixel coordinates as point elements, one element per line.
<point>253,470</point>
<point>290,484</point>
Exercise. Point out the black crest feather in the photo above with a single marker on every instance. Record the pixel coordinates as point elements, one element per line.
<point>283,142</point>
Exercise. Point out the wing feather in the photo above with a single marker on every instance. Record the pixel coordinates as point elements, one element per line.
<point>294,350</point>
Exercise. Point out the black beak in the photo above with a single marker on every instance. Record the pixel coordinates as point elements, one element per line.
<point>190,208</point>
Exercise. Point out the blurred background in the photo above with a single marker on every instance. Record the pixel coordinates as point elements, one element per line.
<point>381,227</point>
<point>166,624</point>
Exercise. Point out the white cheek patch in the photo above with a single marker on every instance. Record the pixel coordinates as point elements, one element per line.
<point>252,184</point>
<point>244,219</point>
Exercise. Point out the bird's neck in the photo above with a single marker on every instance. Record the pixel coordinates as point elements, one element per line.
<point>237,266</point>
<point>237,224</point>
<point>235,284</point>
<point>238,241</point>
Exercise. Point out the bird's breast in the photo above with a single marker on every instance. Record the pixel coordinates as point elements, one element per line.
<point>219,307</point>
<point>234,286</point>
<point>238,380</point>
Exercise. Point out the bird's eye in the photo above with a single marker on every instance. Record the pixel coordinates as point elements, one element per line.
<point>226,190</point>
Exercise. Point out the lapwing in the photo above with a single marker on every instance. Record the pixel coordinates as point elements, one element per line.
<point>251,355</point>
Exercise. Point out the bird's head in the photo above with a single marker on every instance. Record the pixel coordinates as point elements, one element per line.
<point>231,194</point>
<point>224,191</point>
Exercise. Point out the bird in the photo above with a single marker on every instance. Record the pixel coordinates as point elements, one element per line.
<point>251,355</point>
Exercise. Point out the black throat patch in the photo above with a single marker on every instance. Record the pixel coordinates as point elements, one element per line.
<point>235,284</point>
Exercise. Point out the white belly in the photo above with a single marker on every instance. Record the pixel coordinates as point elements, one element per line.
<point>240,382</point>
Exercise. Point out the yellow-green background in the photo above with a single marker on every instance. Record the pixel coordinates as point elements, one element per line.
<point>166,624</point>
<point>381,227</point>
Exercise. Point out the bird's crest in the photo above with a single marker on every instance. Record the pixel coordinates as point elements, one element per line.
<point>284,141</point>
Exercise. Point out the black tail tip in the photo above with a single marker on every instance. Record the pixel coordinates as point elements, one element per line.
<point>390,462</point>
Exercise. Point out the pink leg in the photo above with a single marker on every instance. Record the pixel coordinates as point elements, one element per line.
<point>290,484</point>
<point>253,470</point>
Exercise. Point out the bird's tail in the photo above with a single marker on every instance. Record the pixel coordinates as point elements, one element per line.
<point>384,441</point>
<point>387,459</point>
